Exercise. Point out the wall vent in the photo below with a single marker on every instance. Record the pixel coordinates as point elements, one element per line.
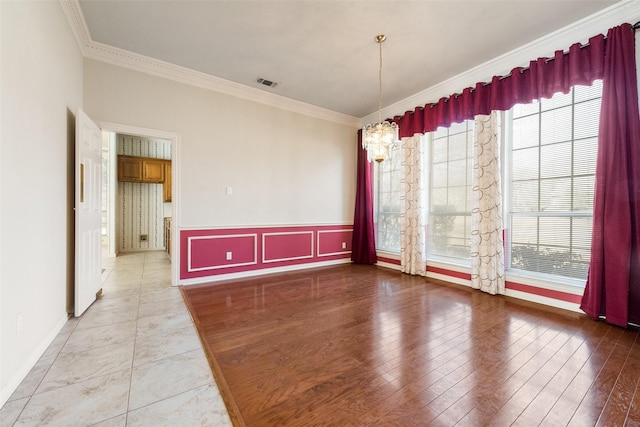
<point>266,82</point>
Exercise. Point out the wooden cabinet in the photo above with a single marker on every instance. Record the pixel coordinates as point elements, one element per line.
<point>129,169</point>
<point>146,169</point>
<point>153,170</point>
<point>141,169</point>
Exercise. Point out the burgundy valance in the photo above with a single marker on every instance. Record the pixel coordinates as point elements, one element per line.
<point>582,64</point>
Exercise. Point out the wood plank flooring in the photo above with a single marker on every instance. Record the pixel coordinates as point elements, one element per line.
<point>357,345</point>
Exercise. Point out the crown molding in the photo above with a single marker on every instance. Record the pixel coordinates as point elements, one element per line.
<point>123,58</point>
<point>77,23</point>
<point>579,31</point>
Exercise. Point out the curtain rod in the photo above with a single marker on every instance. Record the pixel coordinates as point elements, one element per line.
<point>636,25</point>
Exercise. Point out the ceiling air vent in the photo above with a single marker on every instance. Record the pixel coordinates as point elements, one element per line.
<point>266,82</point>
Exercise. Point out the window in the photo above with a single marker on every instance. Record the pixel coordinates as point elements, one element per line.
<point>388,201</point>
<point>553,157</point>
<point>451,160</point>
<point>549,169</point>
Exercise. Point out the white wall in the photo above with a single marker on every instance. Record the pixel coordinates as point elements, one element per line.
<point>283,167</point>
<point>41,87</point>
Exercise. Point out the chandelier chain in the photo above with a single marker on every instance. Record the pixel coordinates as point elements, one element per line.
<point>379,138</point>
<point>380,87</point>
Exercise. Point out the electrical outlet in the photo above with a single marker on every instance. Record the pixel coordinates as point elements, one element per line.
<point>229,256</point>
<point>344,245</point>
<point>144,237</point>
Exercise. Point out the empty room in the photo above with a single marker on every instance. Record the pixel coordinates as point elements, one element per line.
<point>319,213</point>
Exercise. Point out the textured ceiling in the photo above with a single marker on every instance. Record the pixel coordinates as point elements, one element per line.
<point>323,52</point>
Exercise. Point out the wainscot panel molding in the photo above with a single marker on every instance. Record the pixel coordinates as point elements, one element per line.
<point>223,251</point>
<point>287,246</point>
<point>334,242</point>
<point>240,252</point>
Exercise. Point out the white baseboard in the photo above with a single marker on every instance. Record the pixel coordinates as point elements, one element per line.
<point>261,272</point>
<point>30,362</point>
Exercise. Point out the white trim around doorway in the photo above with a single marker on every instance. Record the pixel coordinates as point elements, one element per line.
<point>175,177</point>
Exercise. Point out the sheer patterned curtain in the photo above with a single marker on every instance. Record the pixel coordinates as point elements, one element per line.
<point>487,260</point>
<point>412,235</point>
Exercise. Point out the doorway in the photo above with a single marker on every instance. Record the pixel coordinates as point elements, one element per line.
<point>148,201</point>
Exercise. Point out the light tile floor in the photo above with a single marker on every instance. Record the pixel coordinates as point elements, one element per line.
<point>132,359</point>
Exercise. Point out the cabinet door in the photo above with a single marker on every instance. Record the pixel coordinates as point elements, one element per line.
<point>129,168</point>
<point>153,170</point>
<point>166,187</point>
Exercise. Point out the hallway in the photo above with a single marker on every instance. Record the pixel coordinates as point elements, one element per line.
<point>133,359</point>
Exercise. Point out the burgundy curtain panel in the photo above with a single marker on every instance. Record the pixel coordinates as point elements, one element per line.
<point>363,245</point>
<point>613,284</point>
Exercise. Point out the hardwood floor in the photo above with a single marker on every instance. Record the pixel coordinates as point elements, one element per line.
<point>358,345</point>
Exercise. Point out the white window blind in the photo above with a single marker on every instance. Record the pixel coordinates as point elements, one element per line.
<point>553,157</point>
<point>451,160</point>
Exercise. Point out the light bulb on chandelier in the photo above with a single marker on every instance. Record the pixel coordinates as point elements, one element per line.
<point>381,137</point>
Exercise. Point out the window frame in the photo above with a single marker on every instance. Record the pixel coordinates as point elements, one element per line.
<point>509,214</point>
<point>395,156</point>
<point>470,135</point>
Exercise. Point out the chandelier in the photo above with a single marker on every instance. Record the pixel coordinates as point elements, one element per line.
<point>379,138</point>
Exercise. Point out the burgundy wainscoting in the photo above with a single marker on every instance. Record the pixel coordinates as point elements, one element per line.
<point>287,245</point>
<point>211,252</point>
<point>332,242</point>
<point>528,289</point>
<point>549,293</point>
<point>391,261</point>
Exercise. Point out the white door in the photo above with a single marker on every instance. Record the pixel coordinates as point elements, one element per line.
<point>88,257</point>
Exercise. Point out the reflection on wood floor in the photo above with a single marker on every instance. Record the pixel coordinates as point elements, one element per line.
<point>364,346</point>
